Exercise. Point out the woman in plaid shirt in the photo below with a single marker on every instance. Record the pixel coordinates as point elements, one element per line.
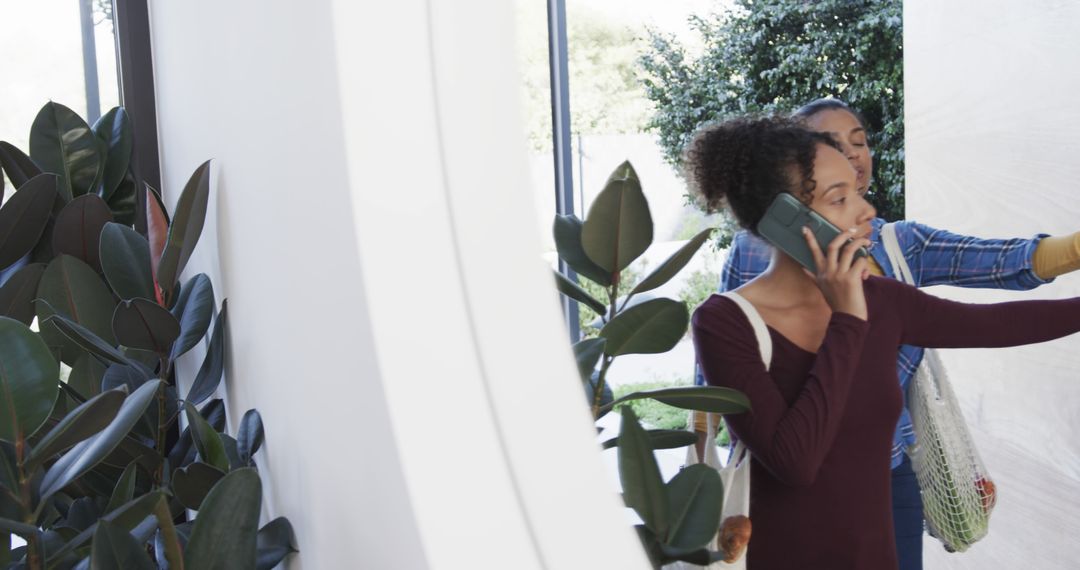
<point>936,257</point>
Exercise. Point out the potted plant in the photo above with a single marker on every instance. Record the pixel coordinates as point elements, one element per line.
<point>94,470</point>
<point>681,516</point>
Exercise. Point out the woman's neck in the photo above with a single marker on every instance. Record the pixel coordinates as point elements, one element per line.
<point>785,283</point>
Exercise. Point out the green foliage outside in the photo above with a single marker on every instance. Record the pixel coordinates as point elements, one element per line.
<point>657,415</point>
<point>772,57</point>
<point>654,414</point>
<point>602,70</point>
<point>699,285</point>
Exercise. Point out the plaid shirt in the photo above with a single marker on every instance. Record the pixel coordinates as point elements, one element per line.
<point>936,257</point>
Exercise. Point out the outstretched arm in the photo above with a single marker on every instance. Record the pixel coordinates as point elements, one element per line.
<point>939,257</point>
<point>933,322</point>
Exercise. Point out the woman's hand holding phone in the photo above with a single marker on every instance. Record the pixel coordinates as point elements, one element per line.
<point>840,275</point>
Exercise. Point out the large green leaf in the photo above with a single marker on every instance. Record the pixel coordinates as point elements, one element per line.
<point>587,353</point>
<point>229,443</point>
<point>698,556</point>
<point>572,290</point>
<point>619,227</point>
<point>24,217</point>
<point>90,452</point>
<point>662,439</point>
<point>127,516</point>
<point>274,542</point>
<point>643,486</point>
<point>78,229</point>
<point>157,233</point>
<point>125,260</point>
<point>209,375</point>
<point>703,398</point>
<point>225,533</point>
<point>194,309</point>
<point>191,484</point>
<point>124,491</point>
<point>250,437</point>
<point>16,527</point>
<point>696,495</point>
<point>186,226</point>
<point>18,292</point>
<point>43,251</point>
<point>79,424</point>
<point>672,265</point>
<point>143,324</point>
<point>85,377</point>
<point>624,171</point>
<point>29,380</point>
<point>124,201</point>
<point>127,452</point>
<point>114,548</point>
<point>86,340</point>
<point>651,327</point>
<point>183,452</point>
<point>82,513</point>
<point>114,129</point>
<point>117,375</point>
<point>19,167</point>
<point>63,144</point>
<point>207,441</point>
<point>567,232</point>
<point>9,479</point>
<point>73,289</point>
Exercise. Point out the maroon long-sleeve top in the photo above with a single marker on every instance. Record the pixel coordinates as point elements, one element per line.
<point>822,423</point>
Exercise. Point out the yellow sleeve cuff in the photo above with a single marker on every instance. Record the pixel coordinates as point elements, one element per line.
<point>701,421</point>
<point>875,269</point>
<point>1056,255</point>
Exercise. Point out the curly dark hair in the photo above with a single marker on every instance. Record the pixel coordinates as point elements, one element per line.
<point>827,104</point>
<point>745,163</point>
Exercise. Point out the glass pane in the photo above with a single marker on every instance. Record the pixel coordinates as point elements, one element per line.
<point>533,65</point>
<point>610,123</point>
<point>44,43</point>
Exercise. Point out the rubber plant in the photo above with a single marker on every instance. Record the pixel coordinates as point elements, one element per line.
<point>681,516</point>
<point>94,470</point>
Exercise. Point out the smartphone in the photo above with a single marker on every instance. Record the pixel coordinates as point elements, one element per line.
<point>782,227</point>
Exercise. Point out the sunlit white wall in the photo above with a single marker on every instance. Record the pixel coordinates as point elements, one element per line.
<point>390,314</point>
<point>993,136</point>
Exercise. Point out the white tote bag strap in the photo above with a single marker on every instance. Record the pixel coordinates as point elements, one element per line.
<point>764,341</point>
<point>761,332</point>
<point>900,267</point>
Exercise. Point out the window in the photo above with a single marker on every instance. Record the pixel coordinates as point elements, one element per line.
<point>57,50</point>
<point>609,117</point>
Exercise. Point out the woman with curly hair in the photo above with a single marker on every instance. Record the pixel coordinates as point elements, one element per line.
<point>825,410</point>
<point>937,257</point>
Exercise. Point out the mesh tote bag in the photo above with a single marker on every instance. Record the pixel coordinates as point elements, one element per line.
<point>736,473</point>
<point>957,492</point>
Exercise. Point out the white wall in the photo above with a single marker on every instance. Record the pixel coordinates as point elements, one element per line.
<point>390,315</point>
<point>993,136</point>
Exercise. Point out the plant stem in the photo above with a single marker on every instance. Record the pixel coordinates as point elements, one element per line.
<point>613,295</point>
<point>168,535</point>
<point>162,427</point>
<point>33,548</point>
<point>601,378</point>
<point>598,391</point>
